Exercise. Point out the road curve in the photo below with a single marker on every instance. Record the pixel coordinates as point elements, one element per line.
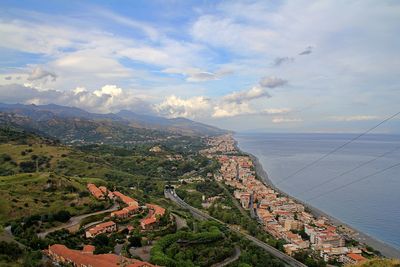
<point>170,194</point>
<point>76,220</point>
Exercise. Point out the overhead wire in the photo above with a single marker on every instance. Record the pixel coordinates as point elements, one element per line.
<point>349,171</point>
<point>336,149</point>
<point>353,182</point>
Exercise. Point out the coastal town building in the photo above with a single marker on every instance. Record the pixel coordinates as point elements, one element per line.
<point>60,254</point>
<point>106,227</point>
<point>280,215</point>
<point>352,258</point>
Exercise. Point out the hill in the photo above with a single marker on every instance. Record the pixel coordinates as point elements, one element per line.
<point>71,124</point>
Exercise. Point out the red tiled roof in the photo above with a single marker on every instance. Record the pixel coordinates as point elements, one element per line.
<point>88,248</point>
<point>95,191</point>
<point>356,257</point>
<point>127,200</point>
<point>101,260</point>
<point>100,227</point>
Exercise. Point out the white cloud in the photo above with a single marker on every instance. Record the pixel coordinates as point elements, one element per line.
<point>246,95</point>
<point>274,111</point>
<point>174,107</point>
<point>198,75</point>
<point>108,98</point>
<point>355,118</point>
<point>108,89</point>
<point>231,109</point>
<point>286,120</point>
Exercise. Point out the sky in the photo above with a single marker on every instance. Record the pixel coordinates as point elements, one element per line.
<point>290,66</point>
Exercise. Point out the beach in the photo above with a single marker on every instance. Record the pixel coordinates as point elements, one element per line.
<point>385,249</point>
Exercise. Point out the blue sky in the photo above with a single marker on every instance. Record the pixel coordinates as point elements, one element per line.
<point>310,66</point>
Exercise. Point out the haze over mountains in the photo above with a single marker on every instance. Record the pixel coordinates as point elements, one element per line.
<point>71,124</point>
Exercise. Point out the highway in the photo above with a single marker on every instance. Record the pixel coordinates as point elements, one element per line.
<point>170,194</point>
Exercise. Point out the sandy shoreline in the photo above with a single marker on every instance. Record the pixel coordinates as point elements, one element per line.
<point>385,249</point>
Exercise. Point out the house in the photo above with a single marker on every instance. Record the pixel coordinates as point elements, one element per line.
<point>352,258</point>
<point>127,200</point>
<point>125,212</point>
<point>147,223</point>
<point>106,227</point>
<point>155,212</point>
<point>290,249</point>
<point>95,191</point>
<point>60,254</point>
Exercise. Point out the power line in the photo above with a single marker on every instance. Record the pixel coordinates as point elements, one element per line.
<point>349,171</point>
<point>336,149</point>
<point>355,181</point>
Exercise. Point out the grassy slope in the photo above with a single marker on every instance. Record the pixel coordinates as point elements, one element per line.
<point>44,191</point>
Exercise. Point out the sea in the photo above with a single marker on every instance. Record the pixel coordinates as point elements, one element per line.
<point>342,184</point>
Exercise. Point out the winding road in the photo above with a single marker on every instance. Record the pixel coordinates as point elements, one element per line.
<point>73,221</point>
<point>171,194</point>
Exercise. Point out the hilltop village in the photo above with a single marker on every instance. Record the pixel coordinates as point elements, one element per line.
<point>281,216</point>
<point>60,254</point>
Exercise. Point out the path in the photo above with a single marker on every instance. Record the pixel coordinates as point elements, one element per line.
<point>76,220</point>
<point>229,260</point>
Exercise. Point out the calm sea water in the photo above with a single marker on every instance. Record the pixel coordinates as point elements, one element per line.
<point>372,206</point>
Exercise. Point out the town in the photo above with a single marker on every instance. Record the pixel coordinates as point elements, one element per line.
<point>281,216</point>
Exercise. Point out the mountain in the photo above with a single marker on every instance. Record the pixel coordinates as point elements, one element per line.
<point>71,124</point>
<point>178,125</point>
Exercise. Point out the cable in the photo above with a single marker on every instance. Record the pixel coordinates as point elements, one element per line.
<point>336,149</point>
<point>349,171</point>
<point>355,181</point>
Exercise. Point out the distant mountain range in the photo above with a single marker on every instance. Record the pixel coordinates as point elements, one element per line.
<point>71,124</point>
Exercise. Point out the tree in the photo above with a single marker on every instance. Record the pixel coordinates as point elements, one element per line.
<point>135,241</point>
<point>62,216</point>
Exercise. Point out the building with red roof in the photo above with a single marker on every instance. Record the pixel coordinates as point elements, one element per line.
<point>95,191</point>
<point>352,258</point>
<point>106,227</point>
<point>155,212</point>
<point>127,200</point>
<point>60,254</point>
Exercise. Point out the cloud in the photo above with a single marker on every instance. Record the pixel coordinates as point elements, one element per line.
<point>307,51</point>
<point>354,118</point>
<point>38,73</point>
<point>198,75</point>
<point>282,60</point>
<point>286,120</point>
<point>246,95</point>
<point>111,90</point>
<point>173,107</point>
<point>275,111</point>
<point>272,82</point>
<point>108,98</point>
<point>231,109</point>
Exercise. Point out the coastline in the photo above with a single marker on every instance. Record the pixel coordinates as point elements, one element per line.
<point>386,249</point>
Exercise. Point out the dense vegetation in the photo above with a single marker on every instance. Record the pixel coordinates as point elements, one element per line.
<point>43,183</point>
<point>206,246</point>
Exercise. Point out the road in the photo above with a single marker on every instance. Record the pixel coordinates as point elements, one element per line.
<point>170,193</point>
<point>76,220</point>
<point>229,260</point>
